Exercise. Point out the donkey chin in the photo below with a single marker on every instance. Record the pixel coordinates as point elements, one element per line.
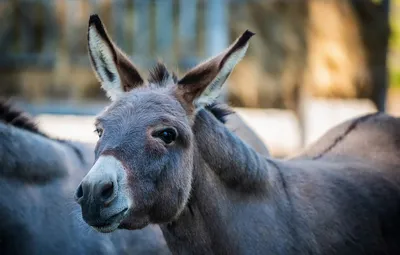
<point>105,200</point>
<point>122,220</point>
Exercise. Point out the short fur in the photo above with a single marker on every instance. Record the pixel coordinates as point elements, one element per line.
<point>10,115</point>
<point>14,126</point>
<point>213,194</point>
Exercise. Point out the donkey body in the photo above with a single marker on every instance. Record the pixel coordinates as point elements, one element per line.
<point>162,158</point>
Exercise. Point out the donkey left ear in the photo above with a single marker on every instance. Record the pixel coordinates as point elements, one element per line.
<point>202,85</point>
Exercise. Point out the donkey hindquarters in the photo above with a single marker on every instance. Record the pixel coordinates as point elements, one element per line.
<point>171,162</point>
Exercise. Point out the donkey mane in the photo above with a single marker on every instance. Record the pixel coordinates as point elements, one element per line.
<point>160,76</point>
<point>220,111</point>
<point>9,114</point>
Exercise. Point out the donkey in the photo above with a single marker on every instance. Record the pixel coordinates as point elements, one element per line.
<point>163,158</point>
<point>38,176</point>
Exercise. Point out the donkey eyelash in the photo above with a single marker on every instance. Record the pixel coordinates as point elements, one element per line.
<point>98,131</point>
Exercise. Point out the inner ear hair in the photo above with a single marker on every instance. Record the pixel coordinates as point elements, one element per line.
<point>115,71</point>
<point>202,84</point>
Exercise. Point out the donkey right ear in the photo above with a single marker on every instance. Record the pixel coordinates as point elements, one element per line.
<point>115,71</point>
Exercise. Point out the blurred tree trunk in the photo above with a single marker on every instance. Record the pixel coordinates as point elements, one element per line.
<point>330,48</point>
<point>275,61</point>
<point>375,32</point>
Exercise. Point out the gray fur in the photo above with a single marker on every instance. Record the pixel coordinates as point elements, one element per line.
<point>237,125</point>
<point>36,167</point>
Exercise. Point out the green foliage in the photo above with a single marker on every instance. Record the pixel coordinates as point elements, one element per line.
<point>395,24</point>
<point>394,78</point>
<point>394,43</point>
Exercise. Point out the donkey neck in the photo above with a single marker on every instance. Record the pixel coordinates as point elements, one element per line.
<point>229,179</point>
<point>236,164</point>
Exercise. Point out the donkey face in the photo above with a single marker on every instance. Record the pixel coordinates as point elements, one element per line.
<point>145,152</point>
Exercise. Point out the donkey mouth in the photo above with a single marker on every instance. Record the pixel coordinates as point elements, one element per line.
<point>106,228</point>
<point>111,223</point>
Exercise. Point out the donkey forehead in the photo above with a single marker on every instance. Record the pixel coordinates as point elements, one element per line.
<point>145,103</point>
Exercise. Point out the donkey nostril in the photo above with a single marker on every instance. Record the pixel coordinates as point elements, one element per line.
<point>79,192</point>
<point>107,190</point>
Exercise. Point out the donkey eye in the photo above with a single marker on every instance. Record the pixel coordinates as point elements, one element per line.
<point>99,131</point>
<point>167,135</point>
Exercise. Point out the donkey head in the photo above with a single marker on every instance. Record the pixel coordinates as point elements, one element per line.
<point>144,155</point>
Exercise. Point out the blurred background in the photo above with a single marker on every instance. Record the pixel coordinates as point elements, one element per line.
<point>311,65</point>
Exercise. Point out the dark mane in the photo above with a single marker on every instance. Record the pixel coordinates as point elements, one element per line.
<point>17,118</point>
<point>220,111</point>
<point>160,75</point>
<point>9,114</point>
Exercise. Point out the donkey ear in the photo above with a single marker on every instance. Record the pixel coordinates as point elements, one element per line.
<point>202,85</point>
<point>113,68</point>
